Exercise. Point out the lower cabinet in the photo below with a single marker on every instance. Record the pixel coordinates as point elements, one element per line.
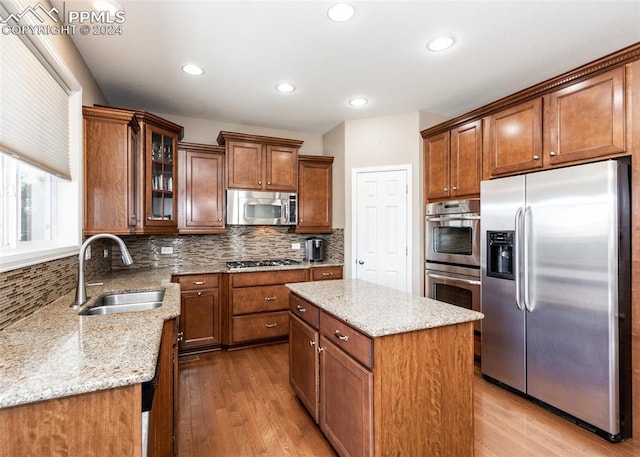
<point>304,363</point>
<point>325,273</point>
<point>199,312</point>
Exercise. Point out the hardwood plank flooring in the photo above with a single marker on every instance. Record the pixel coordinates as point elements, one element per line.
<point>240,404</point>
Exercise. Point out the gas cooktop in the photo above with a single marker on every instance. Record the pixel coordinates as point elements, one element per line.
<point>261,263</point>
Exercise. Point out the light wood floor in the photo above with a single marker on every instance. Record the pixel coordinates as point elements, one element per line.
<point>239,404</point>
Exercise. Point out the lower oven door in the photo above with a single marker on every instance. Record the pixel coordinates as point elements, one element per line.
<point>455,288</point>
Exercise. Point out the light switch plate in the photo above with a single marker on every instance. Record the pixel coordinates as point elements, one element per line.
<point>295,245</point>
<point>166,250</point>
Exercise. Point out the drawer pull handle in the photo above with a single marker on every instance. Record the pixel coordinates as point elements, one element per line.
<point>300,309</point>
<point>275,324</point>
<point>270,298</point>
<point>199,283</point>
<point>328,274</point>
<point>341,337</point>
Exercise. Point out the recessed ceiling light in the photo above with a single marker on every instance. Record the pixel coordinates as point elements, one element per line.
<point>358,101</point>
<point>341,12</point>
<point>441,43</point>
<point>285,88</point>
<point>192,69</point>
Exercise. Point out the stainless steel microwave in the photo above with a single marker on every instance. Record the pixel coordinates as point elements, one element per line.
<point>245,207</point>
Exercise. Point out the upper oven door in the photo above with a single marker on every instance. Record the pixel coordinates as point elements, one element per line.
<point>453,238</point>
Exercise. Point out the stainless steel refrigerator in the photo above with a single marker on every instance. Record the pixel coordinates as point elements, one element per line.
<point>556,291</point>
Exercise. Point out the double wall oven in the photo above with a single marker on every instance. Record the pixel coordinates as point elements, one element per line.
<point>452,253</point>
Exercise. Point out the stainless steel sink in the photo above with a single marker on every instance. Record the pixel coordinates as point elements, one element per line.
<point>125,302</point>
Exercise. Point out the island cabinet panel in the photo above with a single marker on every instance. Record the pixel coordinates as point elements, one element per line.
<point>515,143</point>
<point>586,120</point>
<point>260,326</point>
<point>102,423</point>
<point>305,367</point>
<point>346,402</point>
<point>354,343</point>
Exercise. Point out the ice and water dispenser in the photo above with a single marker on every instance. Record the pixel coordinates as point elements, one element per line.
<point>500,254</point>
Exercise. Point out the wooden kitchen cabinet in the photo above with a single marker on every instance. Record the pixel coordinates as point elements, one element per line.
<point>325,273</point>
<point>315,191</point>
<point>111,138</point>
<point>258,305</point>
<point>453,162</point>
<point>200,318</point>
<point>163,417</point>
<point>586,120</point>
<point>305,364</point>
<point>261,163</point>
<point>582,122</point>
<point>130,171</point>
<point>200,188</point>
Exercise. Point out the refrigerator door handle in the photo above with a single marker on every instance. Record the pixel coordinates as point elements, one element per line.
<point>518,259</point>
<point>527,221</point>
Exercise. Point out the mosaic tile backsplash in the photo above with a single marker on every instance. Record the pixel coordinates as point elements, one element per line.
<point>24,290</point>
<point>239,243</point>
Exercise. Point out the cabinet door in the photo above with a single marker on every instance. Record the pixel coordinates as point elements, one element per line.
<point>160,173</point>
<point>586,120</point>
<point>202,193</point>
<point>304,364</point>
<point>244,165</point>
<point>516,138</point>
<point>200,319</point>
<point>436,166</point>
<point>281,168</point>
<point>315,194</point>
<point>466,159</point>
<point>346,402</point>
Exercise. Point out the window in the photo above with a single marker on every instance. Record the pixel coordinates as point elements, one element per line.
<point>40,152</point>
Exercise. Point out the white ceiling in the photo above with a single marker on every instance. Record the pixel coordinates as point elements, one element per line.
<point>247,47</point>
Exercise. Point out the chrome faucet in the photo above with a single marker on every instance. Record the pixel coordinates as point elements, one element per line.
<point>81,290</point>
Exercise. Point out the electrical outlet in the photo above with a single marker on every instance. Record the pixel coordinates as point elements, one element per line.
<point>87,253</point>
<point>295,245</point>
<point>105,253</point>
<point>166,250</point>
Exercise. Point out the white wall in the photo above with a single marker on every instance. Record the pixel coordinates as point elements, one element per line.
<point>205,131</point>
<point>333,145</point>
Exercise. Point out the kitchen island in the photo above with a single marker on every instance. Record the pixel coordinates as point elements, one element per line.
<point>381,371</point>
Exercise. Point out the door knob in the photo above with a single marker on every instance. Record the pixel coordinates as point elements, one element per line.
<point>361,262</point>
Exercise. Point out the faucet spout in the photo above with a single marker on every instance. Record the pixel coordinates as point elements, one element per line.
<point>81,289</point>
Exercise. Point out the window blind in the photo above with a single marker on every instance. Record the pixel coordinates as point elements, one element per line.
<point>34,110</point>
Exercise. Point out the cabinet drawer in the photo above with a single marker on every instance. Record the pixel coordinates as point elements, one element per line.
<point>321,273</point>
<point>304,310</point>
<point>260,326</point>
<point>356,344</point>
<point>266,278</point>
<point>191,282</point>
<point>259,299</point>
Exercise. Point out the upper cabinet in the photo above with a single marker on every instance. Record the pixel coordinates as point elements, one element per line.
<point>453,162</point>
<point>264,163</point>
<point>200,188</point>
<point>581,122</point>
<point>111,138</point>
<point>315,205</point>
<point>129,172</point>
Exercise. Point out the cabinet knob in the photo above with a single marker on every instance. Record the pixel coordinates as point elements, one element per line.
<point>312,343</point>
<point>219,219</point>
<point>180,337</point>
<point>455,188</point>
<point>268,182</point>
<point>275,324</point>
<point>552,153</point>
<point>536,157</point>
<point>199,293</point>
<point>259,182</point>
<point>445,189</point>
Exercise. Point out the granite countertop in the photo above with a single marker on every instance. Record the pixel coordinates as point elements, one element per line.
<point>377,310</point>
<point>55,352</point>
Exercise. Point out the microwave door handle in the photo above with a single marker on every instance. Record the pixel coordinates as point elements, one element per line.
<point>285,212</point>
<point>471,282</point>
<point>453,218</point>
<point>518,258</point>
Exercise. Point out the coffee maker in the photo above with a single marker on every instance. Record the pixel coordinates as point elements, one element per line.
<point>314,249</point>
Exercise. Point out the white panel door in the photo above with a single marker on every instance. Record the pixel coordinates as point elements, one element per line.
<point>381,228</point>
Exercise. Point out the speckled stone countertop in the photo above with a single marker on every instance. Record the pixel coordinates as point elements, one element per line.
<point>55,352</point>
<point>379,311</point>
<point>221,267</point>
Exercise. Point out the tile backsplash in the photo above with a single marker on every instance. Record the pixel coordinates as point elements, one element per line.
<point>238,243</point>
<point>24,290</point>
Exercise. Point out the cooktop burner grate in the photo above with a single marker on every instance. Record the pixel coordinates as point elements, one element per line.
<point>261,263</point>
